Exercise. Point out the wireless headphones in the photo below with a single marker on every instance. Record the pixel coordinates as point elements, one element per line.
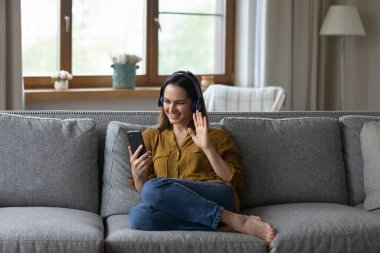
<point>196,104</point>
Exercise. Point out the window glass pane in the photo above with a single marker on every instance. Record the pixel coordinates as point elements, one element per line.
<point>39,37</point>
<point>101,28</point>
<point>194,6</point>
<point>192,36</point>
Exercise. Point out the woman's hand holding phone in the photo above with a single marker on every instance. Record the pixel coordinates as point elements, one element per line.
<point>139,164</point>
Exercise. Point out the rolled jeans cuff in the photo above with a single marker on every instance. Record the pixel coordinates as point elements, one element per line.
<point>218,217</point>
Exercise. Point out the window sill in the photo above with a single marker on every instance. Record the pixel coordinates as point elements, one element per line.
<point>91,94</point>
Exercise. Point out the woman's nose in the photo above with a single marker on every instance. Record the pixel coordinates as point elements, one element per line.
<point>172,108</point>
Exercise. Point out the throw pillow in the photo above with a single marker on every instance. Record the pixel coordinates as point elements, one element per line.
<point>118,196</point>
<point>351,125</point>
<point>49,162</point>
<point>370,143</point>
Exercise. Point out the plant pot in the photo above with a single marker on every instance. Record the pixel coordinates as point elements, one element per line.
<point>61,84</point>
<point>124,75</point>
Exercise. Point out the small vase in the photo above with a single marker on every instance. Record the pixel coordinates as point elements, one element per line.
<point>61,84</point>
<point>206,81</point>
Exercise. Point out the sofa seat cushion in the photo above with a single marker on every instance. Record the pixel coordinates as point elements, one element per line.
<point>376,211</point>
<point>49,162</point>
<point>289,160</point>
<point>120,238</point>
<point>321,227</point>
<point>49,229</point>
<point>361,207</point>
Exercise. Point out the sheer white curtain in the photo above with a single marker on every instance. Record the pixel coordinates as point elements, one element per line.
<point>295,54</point>
<point>11,88</point>
<point>249,42</point>
<point>283,48</point>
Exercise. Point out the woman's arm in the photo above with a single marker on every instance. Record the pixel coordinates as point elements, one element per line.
<point>221,168</point>
<point>140,166</point>
<point>201,139</point>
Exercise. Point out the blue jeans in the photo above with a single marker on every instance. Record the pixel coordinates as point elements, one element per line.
<point>175,204</point>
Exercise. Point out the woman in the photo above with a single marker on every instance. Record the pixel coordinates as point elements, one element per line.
<point>189,176</point>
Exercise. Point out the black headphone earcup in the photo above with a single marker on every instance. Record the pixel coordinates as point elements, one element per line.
<point>161,98</point>
<point>196,105</point>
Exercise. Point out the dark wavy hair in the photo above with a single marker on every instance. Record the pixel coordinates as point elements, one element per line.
<point>185,81</point>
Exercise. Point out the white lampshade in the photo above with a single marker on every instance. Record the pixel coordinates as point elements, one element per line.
<point>342,20</point>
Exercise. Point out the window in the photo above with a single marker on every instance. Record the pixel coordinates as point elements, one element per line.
<point>79,36</point>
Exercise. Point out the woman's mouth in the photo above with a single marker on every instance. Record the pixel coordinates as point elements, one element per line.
<point>174,116</point>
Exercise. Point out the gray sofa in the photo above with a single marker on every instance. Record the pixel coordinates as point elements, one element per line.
<point>63,183</point>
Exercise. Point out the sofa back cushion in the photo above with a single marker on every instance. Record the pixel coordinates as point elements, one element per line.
<point>289,160</point>
<point>48,162</point>
<point>351,127</point>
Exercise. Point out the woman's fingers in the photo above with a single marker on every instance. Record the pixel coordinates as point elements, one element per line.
<point>205,121</point>
<point>199,120</point>
<point>130,151</point>
<point>141,164</point>
<point>195,119</point>
<point>136,160</point>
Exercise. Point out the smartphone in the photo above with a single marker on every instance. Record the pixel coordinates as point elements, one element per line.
<point>135,140</point>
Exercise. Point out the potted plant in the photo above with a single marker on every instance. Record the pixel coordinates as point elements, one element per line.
<point>124,70</point>
<point>61,80</point>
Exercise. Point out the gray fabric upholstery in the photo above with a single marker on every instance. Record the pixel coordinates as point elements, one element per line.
<point>102,118</point>
<point>299,225</point>
<point>48,162</point>
<point>289,160</point>
<point>377,211</point>
<point>351,126</point>
<point>54,230</point>
<point>321,228</point>
<point>361,207</point>
<point>118,197</point>
<point>120,238</point>
<point>370,143</point>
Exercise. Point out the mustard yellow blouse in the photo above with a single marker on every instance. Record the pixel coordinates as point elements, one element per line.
<point>188,161</point>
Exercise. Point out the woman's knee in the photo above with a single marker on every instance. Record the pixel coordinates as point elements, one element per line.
<point>152,192</point>
<point>138,217</point>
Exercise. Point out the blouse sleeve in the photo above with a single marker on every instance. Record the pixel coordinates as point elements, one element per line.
<point>230,154</point>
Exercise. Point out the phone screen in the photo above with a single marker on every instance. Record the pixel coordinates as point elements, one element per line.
<point>135,140</point>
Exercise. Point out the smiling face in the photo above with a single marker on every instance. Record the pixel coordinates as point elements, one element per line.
<point>177,105</point>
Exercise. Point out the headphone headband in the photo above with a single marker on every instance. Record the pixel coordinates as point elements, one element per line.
<point>196,104</point>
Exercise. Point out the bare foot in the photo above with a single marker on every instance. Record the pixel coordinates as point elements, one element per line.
<point>256,217</point>
<point>227,228</point>
<point>250,225</point>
